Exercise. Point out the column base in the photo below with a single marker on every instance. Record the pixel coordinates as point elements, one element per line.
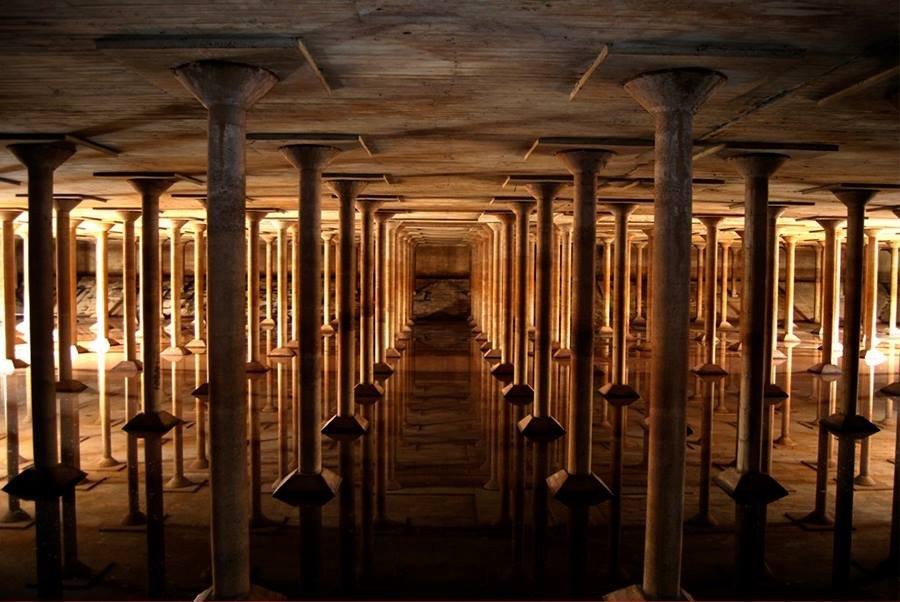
<point>267,324</point>
<point>282,352</point>
<point>562,354</point>
<point>179,482</point>
<point>639,321</point>
<point>736,346</point>
<point>345,428</point>
<point>619,395</point>
<point>873,356</point>
<point>383,369</point>
<point>864,481</point>
<point>750,488</point>
<point>366,394</point>
<point>50,481</point>
<point>70,386</point>
<point>326,330</point>
<point>196,345</point>
<point>824,368</point>
<point>709,370</point>
<point>503,370</point>
<point>492,354</point>
<point>702,521</point>
<point>606,330</point>
<point>134,519</point>
<point>774,394</point>
<point>109,462</point>
<point>80,349</point>
<point>130,366</point>
<point>256,367</point>
<point>202,391</point>
<point>790,337</point>
<point>636,593</point>
<point>778,354</point>
<point>403,335</point>
<point>15,516</point>
<point>176,351</point>
<point>200,464</point>
<point>17,363</point>
<point>785,442</point>
<point>644,345</point>
<point>293,344</point>
<point>814,520</point>
<point>725,325</point>
<point>578,489</point>
<point>151,424</point>
<point>102,345</point>
<point>480,338</point>
<point>541,429</point>
<point>518,394</point>
<point>401,345</point>
<point>855,427</point>
<point>392,353</point>
<point>298,489</point>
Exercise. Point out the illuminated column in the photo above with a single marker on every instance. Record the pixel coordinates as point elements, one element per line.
<point>227,90</point>
<point>327,238</point>
<point>504,368</point>
<point>10,278</point>
<point>281,252</point>
<point>870,324</point>
<point>268,323</point>
<point>64,287</point>
<point>102,343</point>
<point>391,301</point>
<point>790,251</point>
<point>295,287</point>
<point>198,343</point>
<point>46,475</point>
<point>176,287</point>
<point>382,294</point>
<point>709,366</point>
<point>639,319</point>
<point>254,358</point>
<point>565,291</point>
<point>607,243</point>
<point>701,290</point>
<point>130,362</point>
<point>367,391</point>
<point>893,331</point>
<point>672,97</point>
<point>726,255</point>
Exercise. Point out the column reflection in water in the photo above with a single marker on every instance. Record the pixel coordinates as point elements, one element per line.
<point>201,397</point>
<point>131,386</point>
<point>106,459</point>
<point>178,480</point>
<point>367,483</point>
<point>14,512</point>
<point>784,439</point>
<point>258,520</point>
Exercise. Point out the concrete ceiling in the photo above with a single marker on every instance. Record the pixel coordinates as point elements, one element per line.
<point>449,97</point>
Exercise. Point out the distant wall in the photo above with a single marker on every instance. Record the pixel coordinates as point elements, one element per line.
<point>442,282</point>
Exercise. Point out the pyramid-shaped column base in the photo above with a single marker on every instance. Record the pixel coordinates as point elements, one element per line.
<point>345,428</point>
<point>70,386</point>
<point>366,394</point>
<point>541,429</point>
<point>383,369</point>
<point>35,483</point>
<point>256,366</point>
<point>519,394</point>
<point>578,489</point>
<point>298,489</point>
<point>128,366</point>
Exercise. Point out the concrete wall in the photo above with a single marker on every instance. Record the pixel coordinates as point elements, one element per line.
<point>442,282</point>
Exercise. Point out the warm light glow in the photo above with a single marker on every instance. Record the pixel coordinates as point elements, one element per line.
<point>874,358</point>
<point>101,345</point>
<point>7,367</point>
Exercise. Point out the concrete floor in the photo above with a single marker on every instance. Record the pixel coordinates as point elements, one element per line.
<point>444,537</point>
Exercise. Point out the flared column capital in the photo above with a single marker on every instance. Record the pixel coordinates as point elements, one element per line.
<point>758,165</point>
<point>309,157</point>
<point>216,82</point>
<point>671,90</point>
<point>42,155</point>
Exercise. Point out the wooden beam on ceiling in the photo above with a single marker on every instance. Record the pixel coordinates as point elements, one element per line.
<point>601,56</point>
<point>860,85</point>
<point>311,61</point>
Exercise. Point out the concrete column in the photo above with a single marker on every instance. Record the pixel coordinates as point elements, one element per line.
<point>102,342</point>
<point>41,160</point>
<point>383,292</point>
<point>576,484</point>
<point>617,392</point>
<point>367,391</point>
<point>77,348</point>
<point>65,313</point>
<point>893,331</point>
<point>152,422</point>
<point>391,301</point>
<point>345,425</point>
<point>227,90</point>
<point>639,319</point>
<point>293,342</point>
<point>709,366</point>
<point>23,327</point>
<point>847,424</point>
<point>870,325</point>
<point>790,252</point>
<point>504,368</point>
<point>532,267</point>
<point>268,322</point>
<point>281,252</point>
<point>519,389</point>
<point>198,343</point>
<point>565,288</point>
<point>724,324</point>
<point>176,347</point>
<point>491,346</point>
<point>606,328</point>
<point>701,290</point>
<point>672,97</point>
<point>327,238</point>
<point>255,363</point>
<point>130,363</point>
<point>772,276</point>
<point>830,306</point>
<point>10,278</point>
<point>750,478</point>
<point>818,248</point>
<point>311,485</point>
<point>645,344</point>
